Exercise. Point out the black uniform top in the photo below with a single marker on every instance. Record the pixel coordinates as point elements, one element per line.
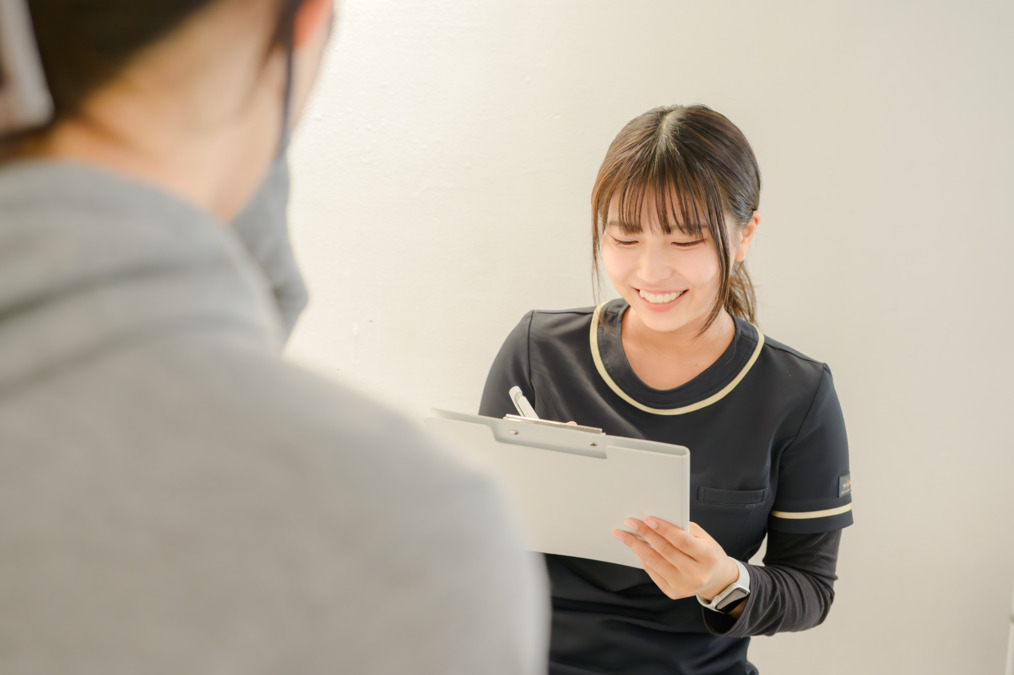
<point>768,456</point>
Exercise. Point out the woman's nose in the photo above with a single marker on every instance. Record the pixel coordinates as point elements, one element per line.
<point>654,266</point>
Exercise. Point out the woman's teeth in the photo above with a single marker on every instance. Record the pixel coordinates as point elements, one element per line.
<point>660,298</point>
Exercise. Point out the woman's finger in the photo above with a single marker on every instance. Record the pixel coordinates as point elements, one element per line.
<point>669,544</point>
<point>649,557</point>
<point>698,532</point>
<point>689,543</point>
<point>664,585</point>
<point>653,564</point>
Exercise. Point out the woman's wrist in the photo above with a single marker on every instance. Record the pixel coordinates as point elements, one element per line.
<point>730,573</point>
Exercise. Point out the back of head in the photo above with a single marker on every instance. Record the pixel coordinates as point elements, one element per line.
<point>191,95</point>
<point>83,44</point>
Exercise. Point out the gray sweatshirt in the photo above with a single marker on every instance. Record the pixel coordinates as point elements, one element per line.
<point>174,498</point>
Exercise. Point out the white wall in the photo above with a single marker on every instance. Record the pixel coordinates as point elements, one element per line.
<point>441,190</point>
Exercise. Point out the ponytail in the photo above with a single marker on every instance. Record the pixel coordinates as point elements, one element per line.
<point>741,300</point>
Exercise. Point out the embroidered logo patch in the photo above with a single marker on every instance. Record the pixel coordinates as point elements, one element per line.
<point>845,485</point>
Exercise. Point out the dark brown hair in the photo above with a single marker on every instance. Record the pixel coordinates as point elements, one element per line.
<point>696,167</point>
<point>84,44</point>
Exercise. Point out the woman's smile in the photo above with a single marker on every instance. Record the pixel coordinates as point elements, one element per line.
<point>660,301</point>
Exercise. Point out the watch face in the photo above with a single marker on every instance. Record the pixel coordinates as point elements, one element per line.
<point>733,598</point>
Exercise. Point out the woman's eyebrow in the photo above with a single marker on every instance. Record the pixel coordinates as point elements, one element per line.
<point>624,226</point>
<point>693,229</point>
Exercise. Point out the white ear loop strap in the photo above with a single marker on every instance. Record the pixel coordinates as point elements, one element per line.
<point>25,101</point>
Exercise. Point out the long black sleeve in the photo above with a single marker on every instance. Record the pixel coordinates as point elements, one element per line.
<point>792,591</point>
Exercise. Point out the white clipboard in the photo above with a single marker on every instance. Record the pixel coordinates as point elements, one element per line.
<point>572,486</point>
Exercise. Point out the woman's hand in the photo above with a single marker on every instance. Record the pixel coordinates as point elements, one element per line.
<point>682,563</point>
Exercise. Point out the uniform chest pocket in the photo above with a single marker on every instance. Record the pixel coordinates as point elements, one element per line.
<point>736,519</point>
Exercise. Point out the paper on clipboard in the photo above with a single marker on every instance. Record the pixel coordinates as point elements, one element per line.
<point>571,486</point>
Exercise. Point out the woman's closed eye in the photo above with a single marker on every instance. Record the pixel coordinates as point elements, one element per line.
<point>688,244</point>
<point>623,242</point>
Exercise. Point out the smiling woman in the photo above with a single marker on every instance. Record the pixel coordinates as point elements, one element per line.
<point>886,149</point>
<point>677,359</point>
<point>687,170</point>
<point>674,213</point>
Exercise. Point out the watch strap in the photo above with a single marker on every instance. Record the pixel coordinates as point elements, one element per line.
<point>732,594</point>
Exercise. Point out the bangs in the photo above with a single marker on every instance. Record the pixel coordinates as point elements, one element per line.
<point>664,192</point>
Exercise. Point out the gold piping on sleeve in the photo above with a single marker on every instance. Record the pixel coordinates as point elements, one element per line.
<point>805,515</point>
<point>597,358</point>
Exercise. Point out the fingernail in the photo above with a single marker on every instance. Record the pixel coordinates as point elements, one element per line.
<point>652,523</point>
<point>618,535</point>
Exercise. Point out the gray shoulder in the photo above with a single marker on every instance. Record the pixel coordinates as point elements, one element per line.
<point>287,522</point>
<point>265,407</point>
<point>430,546</point>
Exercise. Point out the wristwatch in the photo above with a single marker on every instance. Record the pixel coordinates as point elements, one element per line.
<point>731,594</point>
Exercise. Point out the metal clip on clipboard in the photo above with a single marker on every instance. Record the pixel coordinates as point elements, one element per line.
<point>518,434</point>
<point>552,423</point>
<point>571,485</point>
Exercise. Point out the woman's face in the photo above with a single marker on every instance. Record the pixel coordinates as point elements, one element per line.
<point>671,281</point>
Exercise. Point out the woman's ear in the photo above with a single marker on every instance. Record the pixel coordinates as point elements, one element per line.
<point>309,18</point>
<point>746,235</point>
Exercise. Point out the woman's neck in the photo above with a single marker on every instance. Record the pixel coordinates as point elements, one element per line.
<point>666,360</point>
<point>200,173</point>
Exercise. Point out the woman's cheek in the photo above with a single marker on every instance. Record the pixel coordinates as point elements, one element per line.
<point>616,261</point>
<point>701,267</point>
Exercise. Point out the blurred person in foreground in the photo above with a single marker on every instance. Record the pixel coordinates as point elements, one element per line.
<point>175,498</point>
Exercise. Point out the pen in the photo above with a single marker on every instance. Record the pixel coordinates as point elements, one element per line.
<point>525,408</point>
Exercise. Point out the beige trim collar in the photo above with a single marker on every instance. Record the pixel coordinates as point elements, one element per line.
<point>714,398</point>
